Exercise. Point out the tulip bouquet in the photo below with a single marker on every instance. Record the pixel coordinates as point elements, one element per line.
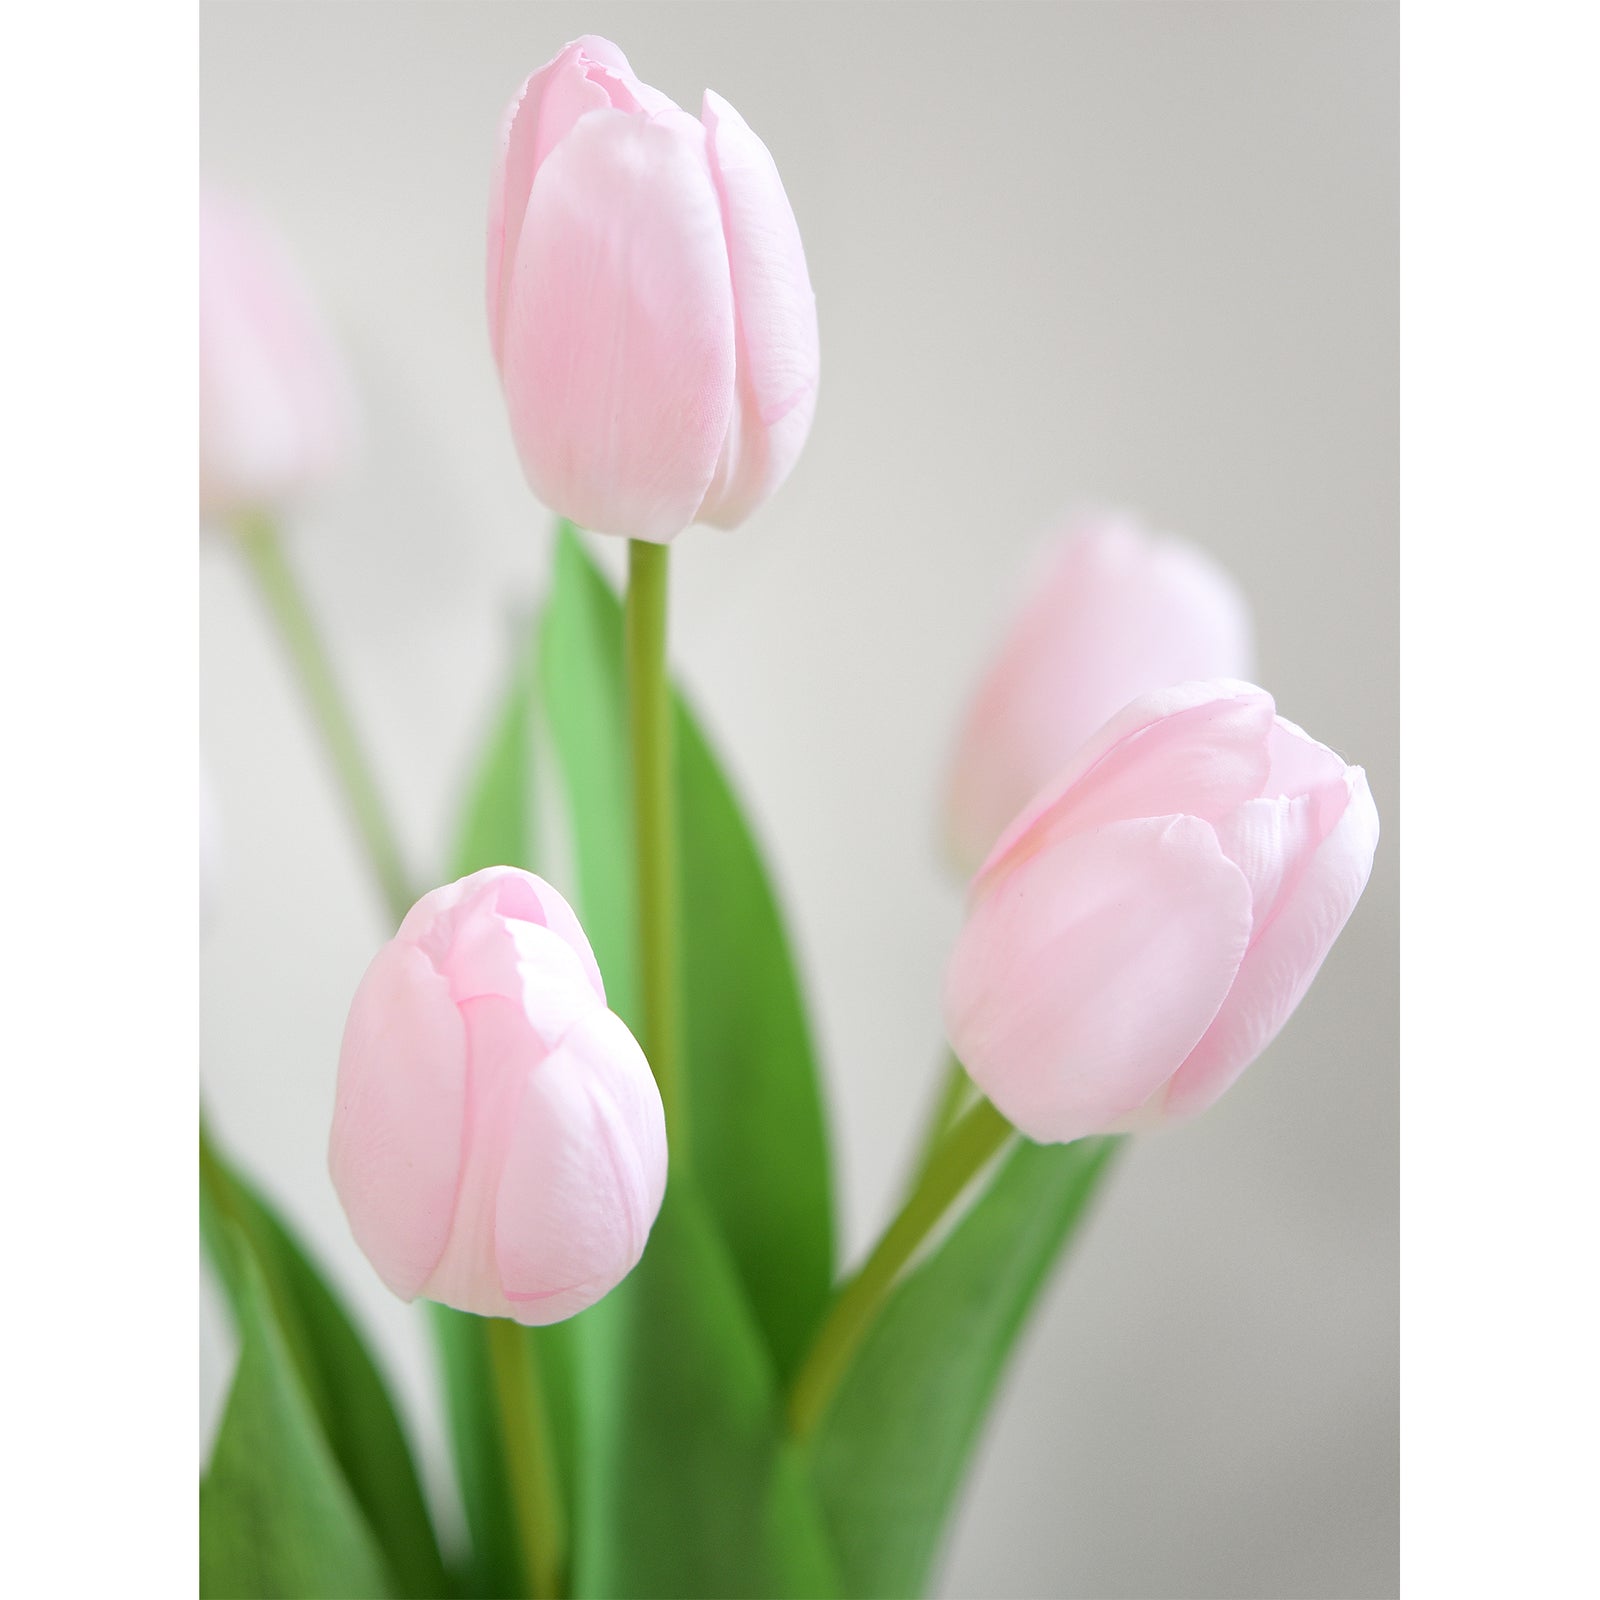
<point>577,1105</point>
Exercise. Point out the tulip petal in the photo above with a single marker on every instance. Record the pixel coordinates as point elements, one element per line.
<point>1112,614</point>
<point>618,342</point>
<point>776,319</point>
<point>584,1174</point>
<point>1284,955</point>
<point>589,74</point>
<point>1199,749</point>
<point>499,894</point>
<point>1085,976</point>
<point>399,1113</point>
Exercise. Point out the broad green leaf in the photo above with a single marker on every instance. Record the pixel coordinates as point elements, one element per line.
<point>693,1486</point>
<point>760,1147</point>
<point>349,1402</point>
<point>276,1514</point>
<point>889,1454</point>
<point>497,826</point>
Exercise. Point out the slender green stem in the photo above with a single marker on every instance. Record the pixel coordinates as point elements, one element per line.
<point>963,1153</point>
<point>263,550</point>
<point>655,829</point>
<point>530,1464</point>
<point>955,1094</point>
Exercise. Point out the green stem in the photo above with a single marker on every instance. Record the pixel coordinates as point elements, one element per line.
<point>655,828</point>
<point>263,551</point>
<point>965,1150</point>
<point>530,1465</point>
<point>954,1095</point>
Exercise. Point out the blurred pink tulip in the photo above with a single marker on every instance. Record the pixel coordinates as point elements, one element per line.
<point>498,1141</point>
<point>1115,614</point>
<point>1143,930</point>
<point>649,305</point>
<point>275,401</point>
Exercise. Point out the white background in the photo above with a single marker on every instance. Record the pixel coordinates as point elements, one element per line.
<point>1144,254</point>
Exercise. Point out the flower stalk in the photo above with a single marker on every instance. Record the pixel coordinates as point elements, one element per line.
<point>655,830</point>
<point>264,554</point>
<point>965,1150</point>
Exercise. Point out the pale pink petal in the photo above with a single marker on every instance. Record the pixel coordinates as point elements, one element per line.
<point>776,321</point>
<point>584,1174</point>
<point>437,920</point>
<point>1299,764</point>
<point>1270,841</point>
<point>399,1113</point>
<point>501,1051</point>
<point>1114,615</point>
<point>589,74</point>
<point>1084,976</point>
<point>618,344</point>
<point>1284,955</point>
<point>1198,749</point>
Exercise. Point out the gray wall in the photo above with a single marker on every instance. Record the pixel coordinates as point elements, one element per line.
<point>1144,253</point>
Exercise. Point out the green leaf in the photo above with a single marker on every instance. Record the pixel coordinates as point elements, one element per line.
<point>760,1145</point>
<point>349,1403</point>
<point>693,1484</point>
<point>497,826</point>
<point>889,1454</point>
<point>276,1514</point>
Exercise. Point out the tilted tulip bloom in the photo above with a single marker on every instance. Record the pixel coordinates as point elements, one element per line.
<point>1114,613</point>
<point>275,400</point>
<point>1146,926</point>
<point>498,1142</point>
<point>649,305</point>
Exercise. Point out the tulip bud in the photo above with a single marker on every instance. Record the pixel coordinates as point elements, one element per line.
<point>275,401</point>
<point>1146,926</point>
<point>1115,614</point>
<point>498,1141</point>
<point>649,305</point>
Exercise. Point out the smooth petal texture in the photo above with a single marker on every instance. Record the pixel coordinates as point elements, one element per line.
<point>1285,954</point>
<point>589,74</point>
<point>1086,974</point>
<point>585,1172</point>
<point>276,413</point>
<point>1199,749</point>
<point>399,1112</point>
<point>617,354</point>
<point>775,313</point>
<point>1113,614</point>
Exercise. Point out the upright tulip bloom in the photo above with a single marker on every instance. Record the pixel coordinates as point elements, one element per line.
<point>275,401</point>
<point>1115,614</point>
<point>649,305</point>
<point>1143,930</point>
<point>497,1140</point>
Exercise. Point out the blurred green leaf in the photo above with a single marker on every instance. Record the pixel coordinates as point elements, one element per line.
<point>889,1454</point>
<point>349,1403</point>
<point>760,1146</point>
<point>693,1485</point>
<point>277,1516</point>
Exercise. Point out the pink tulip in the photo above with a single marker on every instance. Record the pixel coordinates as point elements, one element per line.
<point>275,407</point>
<point>1143,930</point>
<point>649,305</point>
<point>1115,614</point>
<point>498,1141</point>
